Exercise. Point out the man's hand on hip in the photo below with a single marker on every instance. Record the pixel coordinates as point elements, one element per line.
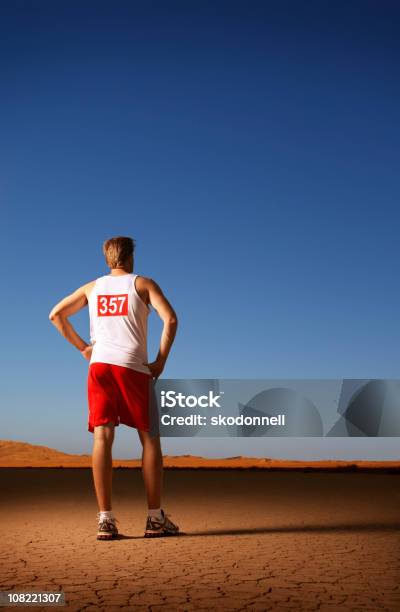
<point>87,352</point>
<point>156,367</point>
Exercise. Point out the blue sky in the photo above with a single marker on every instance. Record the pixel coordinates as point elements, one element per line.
<point>252,151</point>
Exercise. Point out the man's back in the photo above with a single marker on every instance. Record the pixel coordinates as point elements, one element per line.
<point>118,322</point>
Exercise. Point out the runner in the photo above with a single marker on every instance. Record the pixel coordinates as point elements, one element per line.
<point>120,378</point>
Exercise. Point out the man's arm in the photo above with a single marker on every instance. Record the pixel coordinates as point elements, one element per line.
<point>64,309</point>
<point>168,315</point>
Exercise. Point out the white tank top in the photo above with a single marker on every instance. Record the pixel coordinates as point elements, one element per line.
<point>118,322</point>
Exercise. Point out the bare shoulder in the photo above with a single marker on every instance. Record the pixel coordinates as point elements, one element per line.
<point>146,284</point>
<point>87,288</point>
<point>146,287</point>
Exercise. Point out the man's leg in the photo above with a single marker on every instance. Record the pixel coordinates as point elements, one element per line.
<point>152,468</point>
<point>102,464</point>
<point>158,523</point>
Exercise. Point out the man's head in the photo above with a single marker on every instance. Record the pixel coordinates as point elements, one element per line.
<point>118,252</point>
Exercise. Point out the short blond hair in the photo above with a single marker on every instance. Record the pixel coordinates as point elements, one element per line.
<point>117,250</point>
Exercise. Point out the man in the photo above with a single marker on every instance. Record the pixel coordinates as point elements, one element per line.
<point>120,378</point>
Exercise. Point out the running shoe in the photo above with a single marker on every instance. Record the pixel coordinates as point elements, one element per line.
<point>107,529</point>
<point>156,528</point>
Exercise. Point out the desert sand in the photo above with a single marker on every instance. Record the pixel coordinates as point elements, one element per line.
<point>253,540</point>
<point>22,454</point>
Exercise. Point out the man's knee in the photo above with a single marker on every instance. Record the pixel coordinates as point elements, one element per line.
<point>104,433</point>
<point>148,438</point>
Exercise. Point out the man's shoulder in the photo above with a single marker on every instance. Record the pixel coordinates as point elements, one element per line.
<point>145,282</point>
<point>87,288</point>
<point>90,284</point>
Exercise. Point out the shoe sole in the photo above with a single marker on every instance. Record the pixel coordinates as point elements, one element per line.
<point>110,536</point>
<point>160,534</point>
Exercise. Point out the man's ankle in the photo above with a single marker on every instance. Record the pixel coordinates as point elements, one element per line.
<point>155,513</point>
<point>106,515</point>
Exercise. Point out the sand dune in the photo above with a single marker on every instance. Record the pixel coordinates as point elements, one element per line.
<point>23,454</point>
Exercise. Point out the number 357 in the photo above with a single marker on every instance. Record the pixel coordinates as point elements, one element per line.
<point>112,305</point>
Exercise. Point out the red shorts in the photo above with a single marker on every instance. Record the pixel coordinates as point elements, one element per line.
<point>121,395</point>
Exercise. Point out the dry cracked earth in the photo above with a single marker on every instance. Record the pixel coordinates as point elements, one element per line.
<point>253,540</point>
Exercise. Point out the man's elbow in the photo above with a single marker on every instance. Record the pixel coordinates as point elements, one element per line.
<point>172,321</point>
<point>54,315</point>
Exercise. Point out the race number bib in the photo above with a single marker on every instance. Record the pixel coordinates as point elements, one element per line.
<point>112,305</point>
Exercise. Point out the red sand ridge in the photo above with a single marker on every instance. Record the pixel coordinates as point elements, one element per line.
<point>24,455</point>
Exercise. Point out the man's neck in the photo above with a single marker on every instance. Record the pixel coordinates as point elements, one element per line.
<point>119,272</point>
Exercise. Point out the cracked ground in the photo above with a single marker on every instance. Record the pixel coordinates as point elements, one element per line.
<point>253,540</point>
